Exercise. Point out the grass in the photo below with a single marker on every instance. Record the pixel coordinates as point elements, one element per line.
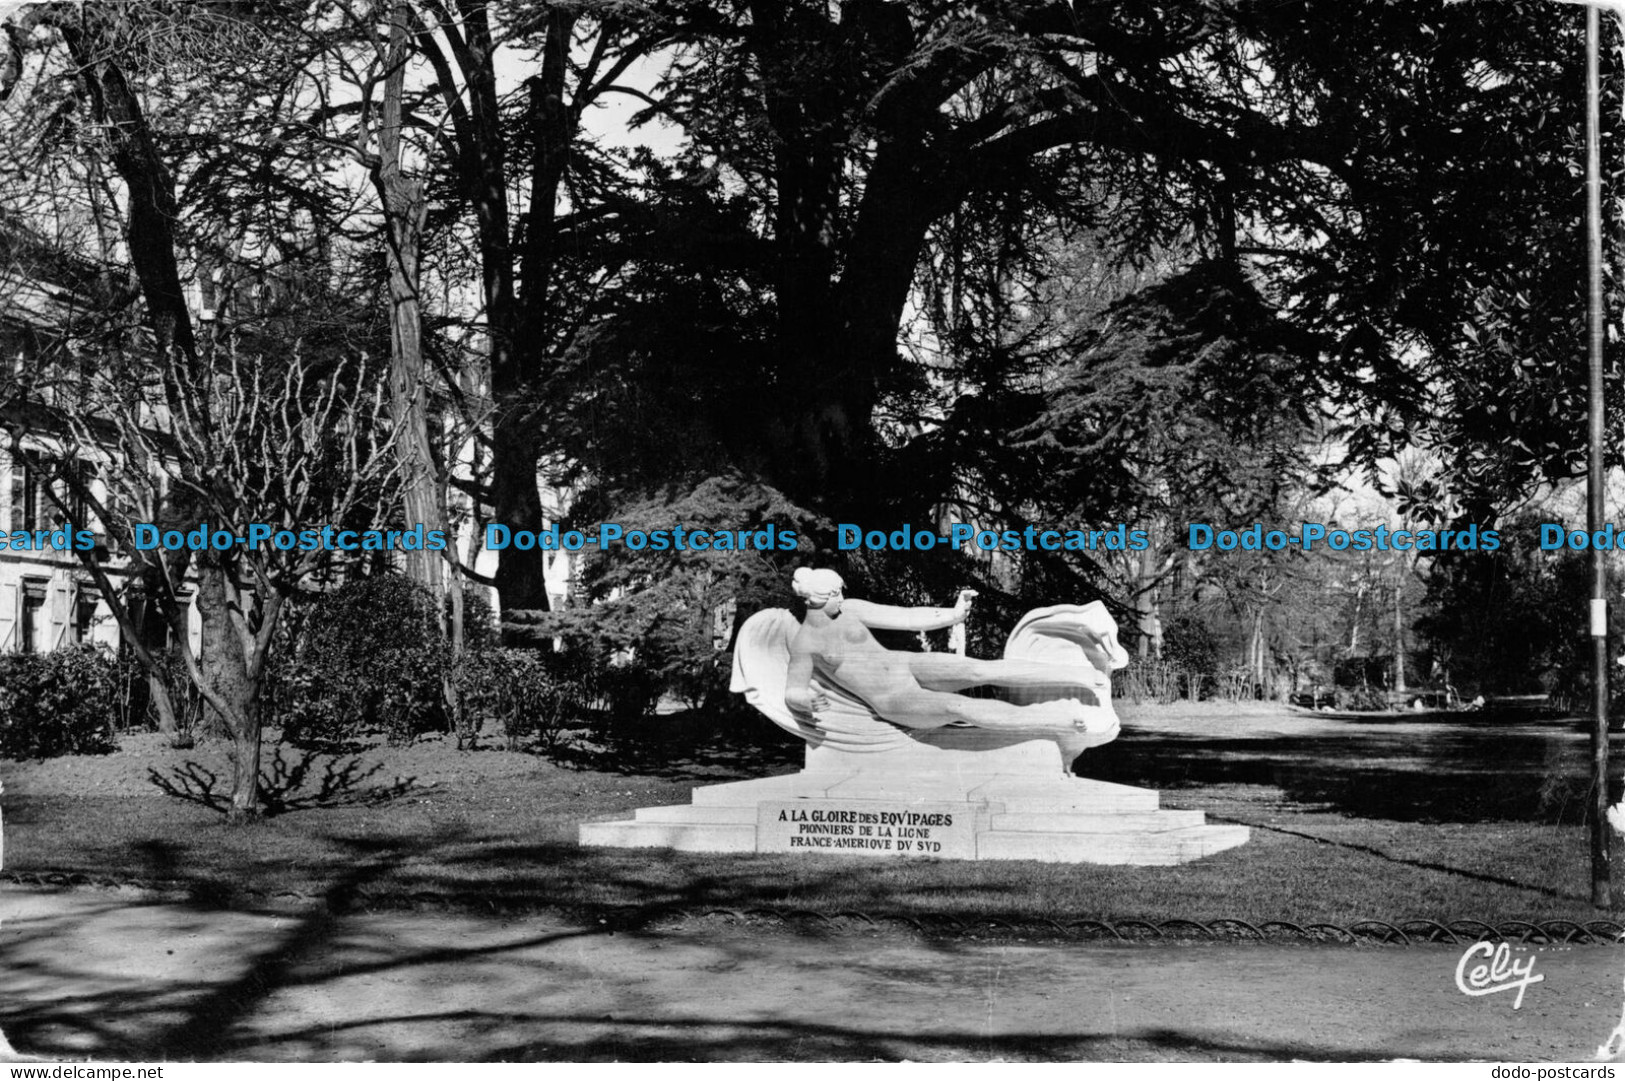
<point>1351,820</point>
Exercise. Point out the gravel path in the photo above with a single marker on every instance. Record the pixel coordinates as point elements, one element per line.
<point>103,975</point>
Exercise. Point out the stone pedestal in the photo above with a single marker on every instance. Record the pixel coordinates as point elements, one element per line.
<point>1013,802</point>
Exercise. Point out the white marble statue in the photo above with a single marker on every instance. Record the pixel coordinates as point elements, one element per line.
<point>828,680</point>
<point>890,738</point>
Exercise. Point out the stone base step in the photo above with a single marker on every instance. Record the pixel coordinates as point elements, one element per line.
<point>1013,794</point>
<point>1084,798</point>
<point>1164,848</point>
<point>1019,822</point>
<point>1156,838</point>
<point>688,812</point>
<point>678,836</point>
<point>750,793</point>
<point>1128,822</point>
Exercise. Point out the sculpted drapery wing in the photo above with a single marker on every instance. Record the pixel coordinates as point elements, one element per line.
<point>1082,637</point>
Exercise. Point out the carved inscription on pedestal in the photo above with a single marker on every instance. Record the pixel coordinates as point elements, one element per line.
<point>867,828</point>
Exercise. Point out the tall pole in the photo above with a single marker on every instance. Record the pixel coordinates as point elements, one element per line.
<point>1600,888</point>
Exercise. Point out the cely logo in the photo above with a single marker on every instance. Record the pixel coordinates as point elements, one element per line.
<point>1501,974</point>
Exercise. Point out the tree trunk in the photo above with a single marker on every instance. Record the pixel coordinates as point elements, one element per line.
<point>1256,648</point>
<point>521,576</point>
<point>148,625</point>
<point>163,704</point>
<point>151,238</point>
<point>149,231</point>
<point>1399,627</point>
<point>517,337</point>
<point>1145,607</point>
<point>1354,624</point>
<point>838,341</point>
<point>402,199</point>
<point>225,668</point>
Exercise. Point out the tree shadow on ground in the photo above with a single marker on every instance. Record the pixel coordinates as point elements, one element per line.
<point>309,951</point>
<point>320,985</point>
<point>304,780</point>
<point>255,1001</point>
<point>659,1040</point>
<point>1429,772</point>
<point>206,1018</point>
<point>1348,797</point>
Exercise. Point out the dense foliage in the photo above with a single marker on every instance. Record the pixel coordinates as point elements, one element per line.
<point>57,703</point>
<point>368,660</point>
<point>371,660</point>
<point>1513,621</point>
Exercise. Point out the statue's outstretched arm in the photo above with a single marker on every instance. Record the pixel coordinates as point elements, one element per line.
<point>889,617</point>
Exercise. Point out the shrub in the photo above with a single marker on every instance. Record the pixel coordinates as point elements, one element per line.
<point>654,622</point>
<point>57,703</point>
<point>1188,643</point>
<point>1365,699</point>
<point>520,693</point>
<point>479,622</point>
<point>133,705</point>
<point>368,659</point>
<point>1142,680</point>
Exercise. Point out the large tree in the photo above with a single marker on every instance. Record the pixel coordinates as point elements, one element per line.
<point>269,415</point>
<point>1375,168</point>
<point>529,175</point>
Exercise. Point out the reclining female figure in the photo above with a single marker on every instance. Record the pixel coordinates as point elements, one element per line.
<point>915,690</point>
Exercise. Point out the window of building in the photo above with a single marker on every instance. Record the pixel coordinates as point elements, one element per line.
<point>84,616</point>
<point>24,497</point>
<point>31,620</point>
<point>78,505</point>
<point>39,494</point>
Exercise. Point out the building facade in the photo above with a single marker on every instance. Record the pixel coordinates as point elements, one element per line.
<point>48,597</point>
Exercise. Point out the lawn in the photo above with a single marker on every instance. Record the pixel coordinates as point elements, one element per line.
<point>1462,818</point>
